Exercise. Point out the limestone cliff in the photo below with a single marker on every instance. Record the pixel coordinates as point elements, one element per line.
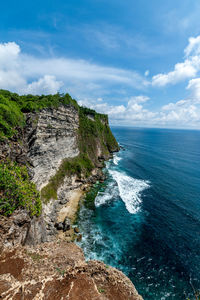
<point>50,137</point>
<point>64,149</point>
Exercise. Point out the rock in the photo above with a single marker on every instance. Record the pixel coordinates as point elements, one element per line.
<point>66,224</point>
<point>59,226</point>
<point>37,232</point>
<point>59,271</point>
<point>79,238</point>
<point>76,229</point>
<point>52,137</point>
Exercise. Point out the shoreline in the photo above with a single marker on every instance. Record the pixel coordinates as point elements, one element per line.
<point>70,209</point>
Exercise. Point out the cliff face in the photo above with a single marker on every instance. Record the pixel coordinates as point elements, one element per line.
<point>51,136</point>
<point>64,149</point>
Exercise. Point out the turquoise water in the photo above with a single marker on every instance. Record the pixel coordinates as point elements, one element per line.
<point>147,216</point>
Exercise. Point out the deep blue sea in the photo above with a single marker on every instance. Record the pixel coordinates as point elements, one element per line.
<point>147,216</point>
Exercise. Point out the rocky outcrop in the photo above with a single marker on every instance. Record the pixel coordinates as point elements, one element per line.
<point>58,271</point>
<point>51,137</point>
<point>20,229</point>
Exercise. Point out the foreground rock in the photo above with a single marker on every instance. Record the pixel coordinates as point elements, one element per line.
<point>58,271</point>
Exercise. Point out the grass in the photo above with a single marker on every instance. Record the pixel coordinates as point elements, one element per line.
<point>80,166</point>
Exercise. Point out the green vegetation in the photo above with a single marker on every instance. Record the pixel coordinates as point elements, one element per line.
<point>12,107</point>
<point>93,133</point>
<point>90,196</point>
<point>101,290</point>
<point>61,272</point>
<point>10,117</point>
<point>16,190</point>
<point>79,165</point>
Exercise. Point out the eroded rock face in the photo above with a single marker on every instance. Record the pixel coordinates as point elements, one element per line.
<point>20,229</point>
<point>58,271</point>
<point>51,136</point>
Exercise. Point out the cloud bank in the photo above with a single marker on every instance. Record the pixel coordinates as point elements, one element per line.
<point>88,81</point>
<point>28,74</point>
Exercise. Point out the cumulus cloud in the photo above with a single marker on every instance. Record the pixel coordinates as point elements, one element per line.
<point>193,48</point>
<point>183,113</point>
<point>45,85</point>
<point>184,70</point>
<point>86,80</point>
<point>194,87</point>
<point>28,74</point>
<point>132,113</point>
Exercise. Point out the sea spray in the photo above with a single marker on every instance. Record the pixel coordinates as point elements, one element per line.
<point>129,190</point>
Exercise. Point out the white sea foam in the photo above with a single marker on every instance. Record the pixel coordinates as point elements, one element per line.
<point>116,159</point>
<point>129,190</point>
<point>110,193</point>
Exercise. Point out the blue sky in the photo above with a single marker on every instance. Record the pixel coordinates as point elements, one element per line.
<point>138,61</point>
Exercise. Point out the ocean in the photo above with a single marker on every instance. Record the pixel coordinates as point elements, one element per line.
<point>146,220</point>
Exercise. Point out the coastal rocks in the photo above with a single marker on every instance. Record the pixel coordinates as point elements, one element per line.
<point>58,271</point>
<point>76,229</point>
<point>59,226</point>
<point>65,225</point>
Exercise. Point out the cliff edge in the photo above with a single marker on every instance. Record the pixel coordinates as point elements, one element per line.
<point>51,152</point>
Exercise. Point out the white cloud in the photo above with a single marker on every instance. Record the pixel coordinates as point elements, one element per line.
<point>133,113</point>
<point>146,73</point>
<point>85,80</point>
<point>28,74</point>
<point>45,85</point>
<point>194,87</point>
<point>193,47</point>
<point>184,70</point>
<point>183,113</point>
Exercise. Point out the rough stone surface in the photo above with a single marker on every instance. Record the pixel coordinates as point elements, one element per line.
<point>58,271</point>
<point>55,270</point>
<point>52,136</point>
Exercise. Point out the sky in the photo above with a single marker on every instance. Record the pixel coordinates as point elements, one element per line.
<point>136,60</point>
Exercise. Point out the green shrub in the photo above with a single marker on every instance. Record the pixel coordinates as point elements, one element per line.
<point>12,107</point>
<point>16,190</point>
<point>92,131</point>
<point>79,165</point>
<point>10,117</point>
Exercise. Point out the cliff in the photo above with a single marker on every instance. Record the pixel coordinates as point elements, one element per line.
<point>49,156</point>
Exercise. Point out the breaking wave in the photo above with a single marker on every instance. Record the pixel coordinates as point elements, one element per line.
<point>129,190</point>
